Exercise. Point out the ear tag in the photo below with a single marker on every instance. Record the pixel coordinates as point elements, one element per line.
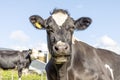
<point>38,25</point>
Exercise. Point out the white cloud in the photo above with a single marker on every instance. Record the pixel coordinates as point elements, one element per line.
<point>108,43</point>
<point>22,37</point>
<point>19,36</point>
<point>20,48</point>
<point>39,46</point>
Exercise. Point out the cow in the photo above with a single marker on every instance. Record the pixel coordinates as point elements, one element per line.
<point>72,59</point>
<point>11,59</point>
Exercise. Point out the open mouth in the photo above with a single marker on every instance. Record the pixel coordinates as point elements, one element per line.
<point>61,59</point>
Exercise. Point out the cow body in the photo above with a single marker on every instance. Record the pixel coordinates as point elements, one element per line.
<point>106,57</point>
<point>72,59</point>
<point>11,59</point>
<point>85,64</point>
<point>112,59</point>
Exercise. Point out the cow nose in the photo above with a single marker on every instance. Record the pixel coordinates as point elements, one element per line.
<point>61,47</point>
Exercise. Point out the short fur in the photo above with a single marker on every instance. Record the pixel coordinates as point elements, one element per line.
<point>84,62</point>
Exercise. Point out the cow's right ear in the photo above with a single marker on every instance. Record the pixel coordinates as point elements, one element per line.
<point>37,21</point>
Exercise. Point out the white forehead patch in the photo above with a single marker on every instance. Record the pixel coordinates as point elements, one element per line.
<point>59,18</point>
<point>60,43</point>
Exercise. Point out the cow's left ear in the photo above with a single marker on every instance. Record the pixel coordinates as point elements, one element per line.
<point>30,51</point>
<point>82,23</point>
<point>37,21</point>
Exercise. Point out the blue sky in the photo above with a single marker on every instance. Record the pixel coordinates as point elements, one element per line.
<point>18,33</point>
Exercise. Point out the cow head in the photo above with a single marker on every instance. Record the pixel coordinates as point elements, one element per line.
<point>60,27</point>
<point>33,53</point>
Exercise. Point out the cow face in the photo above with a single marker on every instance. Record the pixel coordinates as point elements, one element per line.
<point>33,53</point>
<point>60,27</point>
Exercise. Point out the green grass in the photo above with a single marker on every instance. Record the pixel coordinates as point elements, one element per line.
<point>9,74</point>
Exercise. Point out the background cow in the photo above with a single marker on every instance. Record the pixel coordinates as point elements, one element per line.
<point>72,59</point>
<point>10,59</point>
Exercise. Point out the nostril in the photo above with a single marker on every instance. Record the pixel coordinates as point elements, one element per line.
<point>56,48</point>
<point>66,47</point>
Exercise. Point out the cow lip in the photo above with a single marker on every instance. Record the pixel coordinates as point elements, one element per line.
<point>55,56</point>
<point>59,59</point>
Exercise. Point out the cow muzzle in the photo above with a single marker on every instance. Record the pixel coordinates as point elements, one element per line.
<point>61,52</point>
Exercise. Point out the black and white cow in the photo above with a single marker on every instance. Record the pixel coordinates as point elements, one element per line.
<point>72,59</point>
<point>11,59</point>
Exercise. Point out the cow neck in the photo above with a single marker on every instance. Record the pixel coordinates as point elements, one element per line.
<point>86,59</point>
<point>62,70</point>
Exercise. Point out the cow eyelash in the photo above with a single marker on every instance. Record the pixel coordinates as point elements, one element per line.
<point>71,28</point>
<point>50,29</point>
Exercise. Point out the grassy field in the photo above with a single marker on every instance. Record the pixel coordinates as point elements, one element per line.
<point>13,75</point>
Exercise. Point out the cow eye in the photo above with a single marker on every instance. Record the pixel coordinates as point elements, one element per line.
<point>50,29</point>
<point>73,27</point>
<point>70,28</point>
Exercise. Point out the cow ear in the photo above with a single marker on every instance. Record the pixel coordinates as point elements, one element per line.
<point>82,23</point>
<point>37,21</point>
<point>30,51</point>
